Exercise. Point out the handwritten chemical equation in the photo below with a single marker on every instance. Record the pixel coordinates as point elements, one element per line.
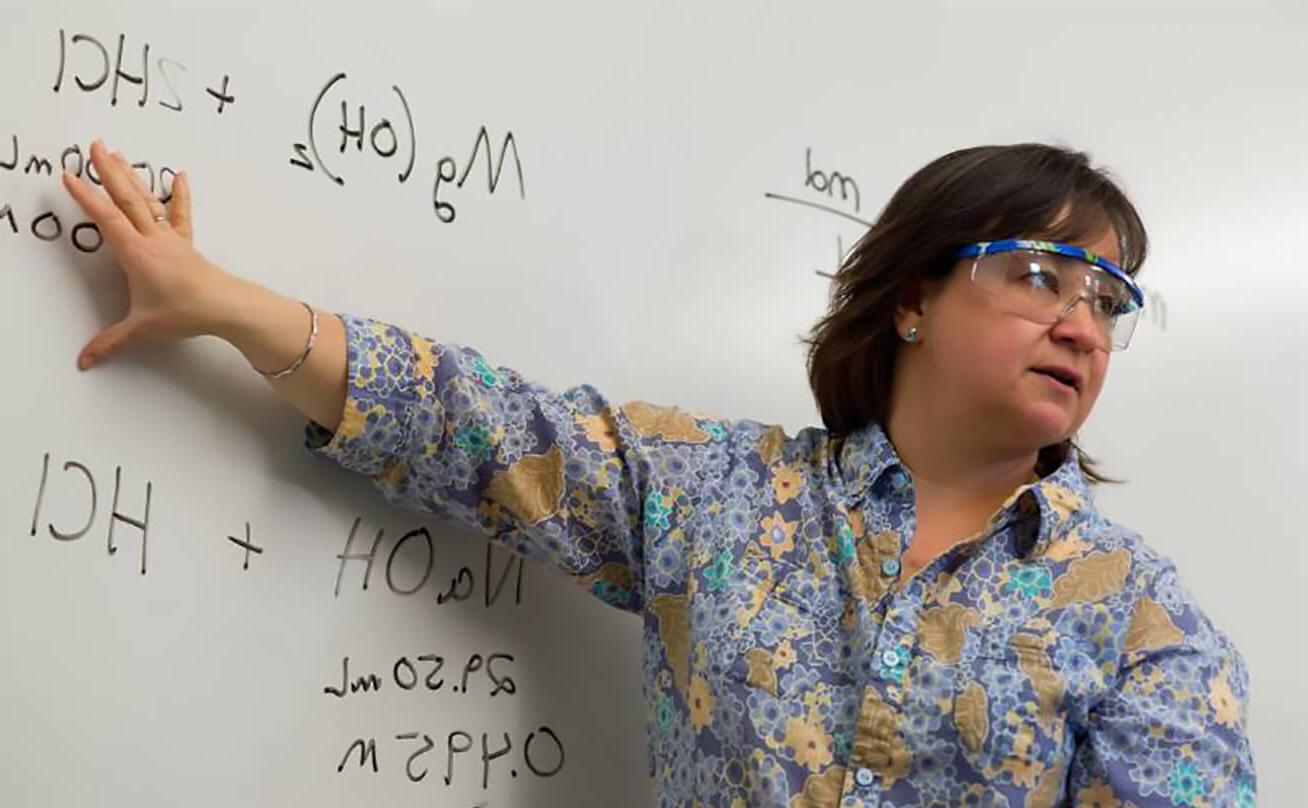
<point>93,57</point>
<point>131,72</point>
<point>79,515</point>
<point>538,753</point>
<point>122,70</point>
<point>837,193</point>
<point>378,136</point>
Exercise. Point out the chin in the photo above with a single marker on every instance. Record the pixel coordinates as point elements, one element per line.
<point>1045,425</point>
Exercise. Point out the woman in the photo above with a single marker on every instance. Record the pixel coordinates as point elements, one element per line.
<point>918,605</point>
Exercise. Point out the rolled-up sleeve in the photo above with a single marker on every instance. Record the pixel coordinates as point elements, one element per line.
<point>554,476</point>
<point>1173,729</point>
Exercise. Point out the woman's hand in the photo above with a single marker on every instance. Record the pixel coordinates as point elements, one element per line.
<point>174,292</point>
<point>170,285</point>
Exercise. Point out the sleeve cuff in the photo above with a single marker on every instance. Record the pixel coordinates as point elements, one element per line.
<point>381,390</point>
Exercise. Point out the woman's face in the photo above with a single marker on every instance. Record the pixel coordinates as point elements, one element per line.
<point>979,361</point>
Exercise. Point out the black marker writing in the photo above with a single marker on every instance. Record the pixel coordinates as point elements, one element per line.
<point>365,683</point>
<point>361,131</point>
<point>541,753</point>
<point>406,675</point>
<point>447,169</point>
<point>462,585</point>
<point>141,523</point>
<point>249,546</point>
<point>367,752</point>
<point>95,67</point>
<point>47,225</point>
<point>382,136</point>
<point>825,182</point>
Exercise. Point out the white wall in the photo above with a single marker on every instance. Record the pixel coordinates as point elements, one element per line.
<point>646,259</point>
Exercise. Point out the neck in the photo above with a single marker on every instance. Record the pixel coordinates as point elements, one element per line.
<point>957,485</point>
<point>952,465</point>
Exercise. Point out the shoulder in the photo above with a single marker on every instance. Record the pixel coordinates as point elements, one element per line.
<point>1159,612</point>
<point>743,439</point>
<point>1084,538</point>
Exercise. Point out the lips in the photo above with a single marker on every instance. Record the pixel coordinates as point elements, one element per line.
<point>1062,374</point>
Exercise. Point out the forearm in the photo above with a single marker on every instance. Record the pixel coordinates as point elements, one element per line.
<point>271,331</point>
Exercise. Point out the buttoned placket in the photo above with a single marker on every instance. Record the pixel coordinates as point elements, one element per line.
<point>886,662</point>
<point>892,640</point>
<point>894,646</point>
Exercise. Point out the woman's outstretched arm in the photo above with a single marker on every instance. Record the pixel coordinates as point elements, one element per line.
<point>271,330</point>
<point>565,477</point>
<point>174,292</point>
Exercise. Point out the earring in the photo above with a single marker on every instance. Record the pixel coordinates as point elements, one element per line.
<point>911,336</point>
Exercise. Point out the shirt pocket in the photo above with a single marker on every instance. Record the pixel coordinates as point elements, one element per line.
<point>789,635</point>
<point>1009,707</point>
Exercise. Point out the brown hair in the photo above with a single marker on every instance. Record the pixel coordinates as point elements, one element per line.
<point>984,193</point>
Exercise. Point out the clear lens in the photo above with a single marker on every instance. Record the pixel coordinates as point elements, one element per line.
<point>1123,328</point>
<point>1045,287</point>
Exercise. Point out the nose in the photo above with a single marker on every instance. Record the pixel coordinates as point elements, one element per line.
<point>1078,326</point>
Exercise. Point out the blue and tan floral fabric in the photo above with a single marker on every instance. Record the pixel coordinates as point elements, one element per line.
<point>1051,659</point>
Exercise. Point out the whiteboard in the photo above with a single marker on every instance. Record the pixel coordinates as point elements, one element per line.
<point>663,213</point>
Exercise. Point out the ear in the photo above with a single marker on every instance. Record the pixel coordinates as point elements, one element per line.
<point>913,301</point>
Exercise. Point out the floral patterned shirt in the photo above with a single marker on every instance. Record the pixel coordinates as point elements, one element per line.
<point>1051,659</point>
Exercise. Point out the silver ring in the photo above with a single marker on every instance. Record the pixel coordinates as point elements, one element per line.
<point>160,219</point>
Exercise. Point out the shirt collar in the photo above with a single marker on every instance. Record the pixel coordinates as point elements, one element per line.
<point>1048,509</point>
<point>1045,509</point>
<point>866,455</point>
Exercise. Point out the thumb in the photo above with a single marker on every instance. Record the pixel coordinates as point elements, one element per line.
<point>107,343</point>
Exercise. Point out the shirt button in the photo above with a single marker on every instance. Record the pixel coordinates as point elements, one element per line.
<point>864,777</point>
<point>890,567</point>
<point>890,658</point>
<point>899,480</point>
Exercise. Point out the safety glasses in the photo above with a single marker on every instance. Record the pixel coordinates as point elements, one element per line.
<point>1042,281</point>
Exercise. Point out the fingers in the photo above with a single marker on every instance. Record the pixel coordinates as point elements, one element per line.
<point>101,209</point>
<point>107,343</point>
<point>122,190</point>
<point>180,207</point>
<point>130,207</point>
<point>179,217</point>
<point>157,213</point>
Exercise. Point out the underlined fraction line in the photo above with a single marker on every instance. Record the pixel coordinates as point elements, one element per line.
<point>827,208</point>
<point>840,249</point>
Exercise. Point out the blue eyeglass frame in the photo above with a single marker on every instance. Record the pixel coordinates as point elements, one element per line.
<point>982,248</point>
